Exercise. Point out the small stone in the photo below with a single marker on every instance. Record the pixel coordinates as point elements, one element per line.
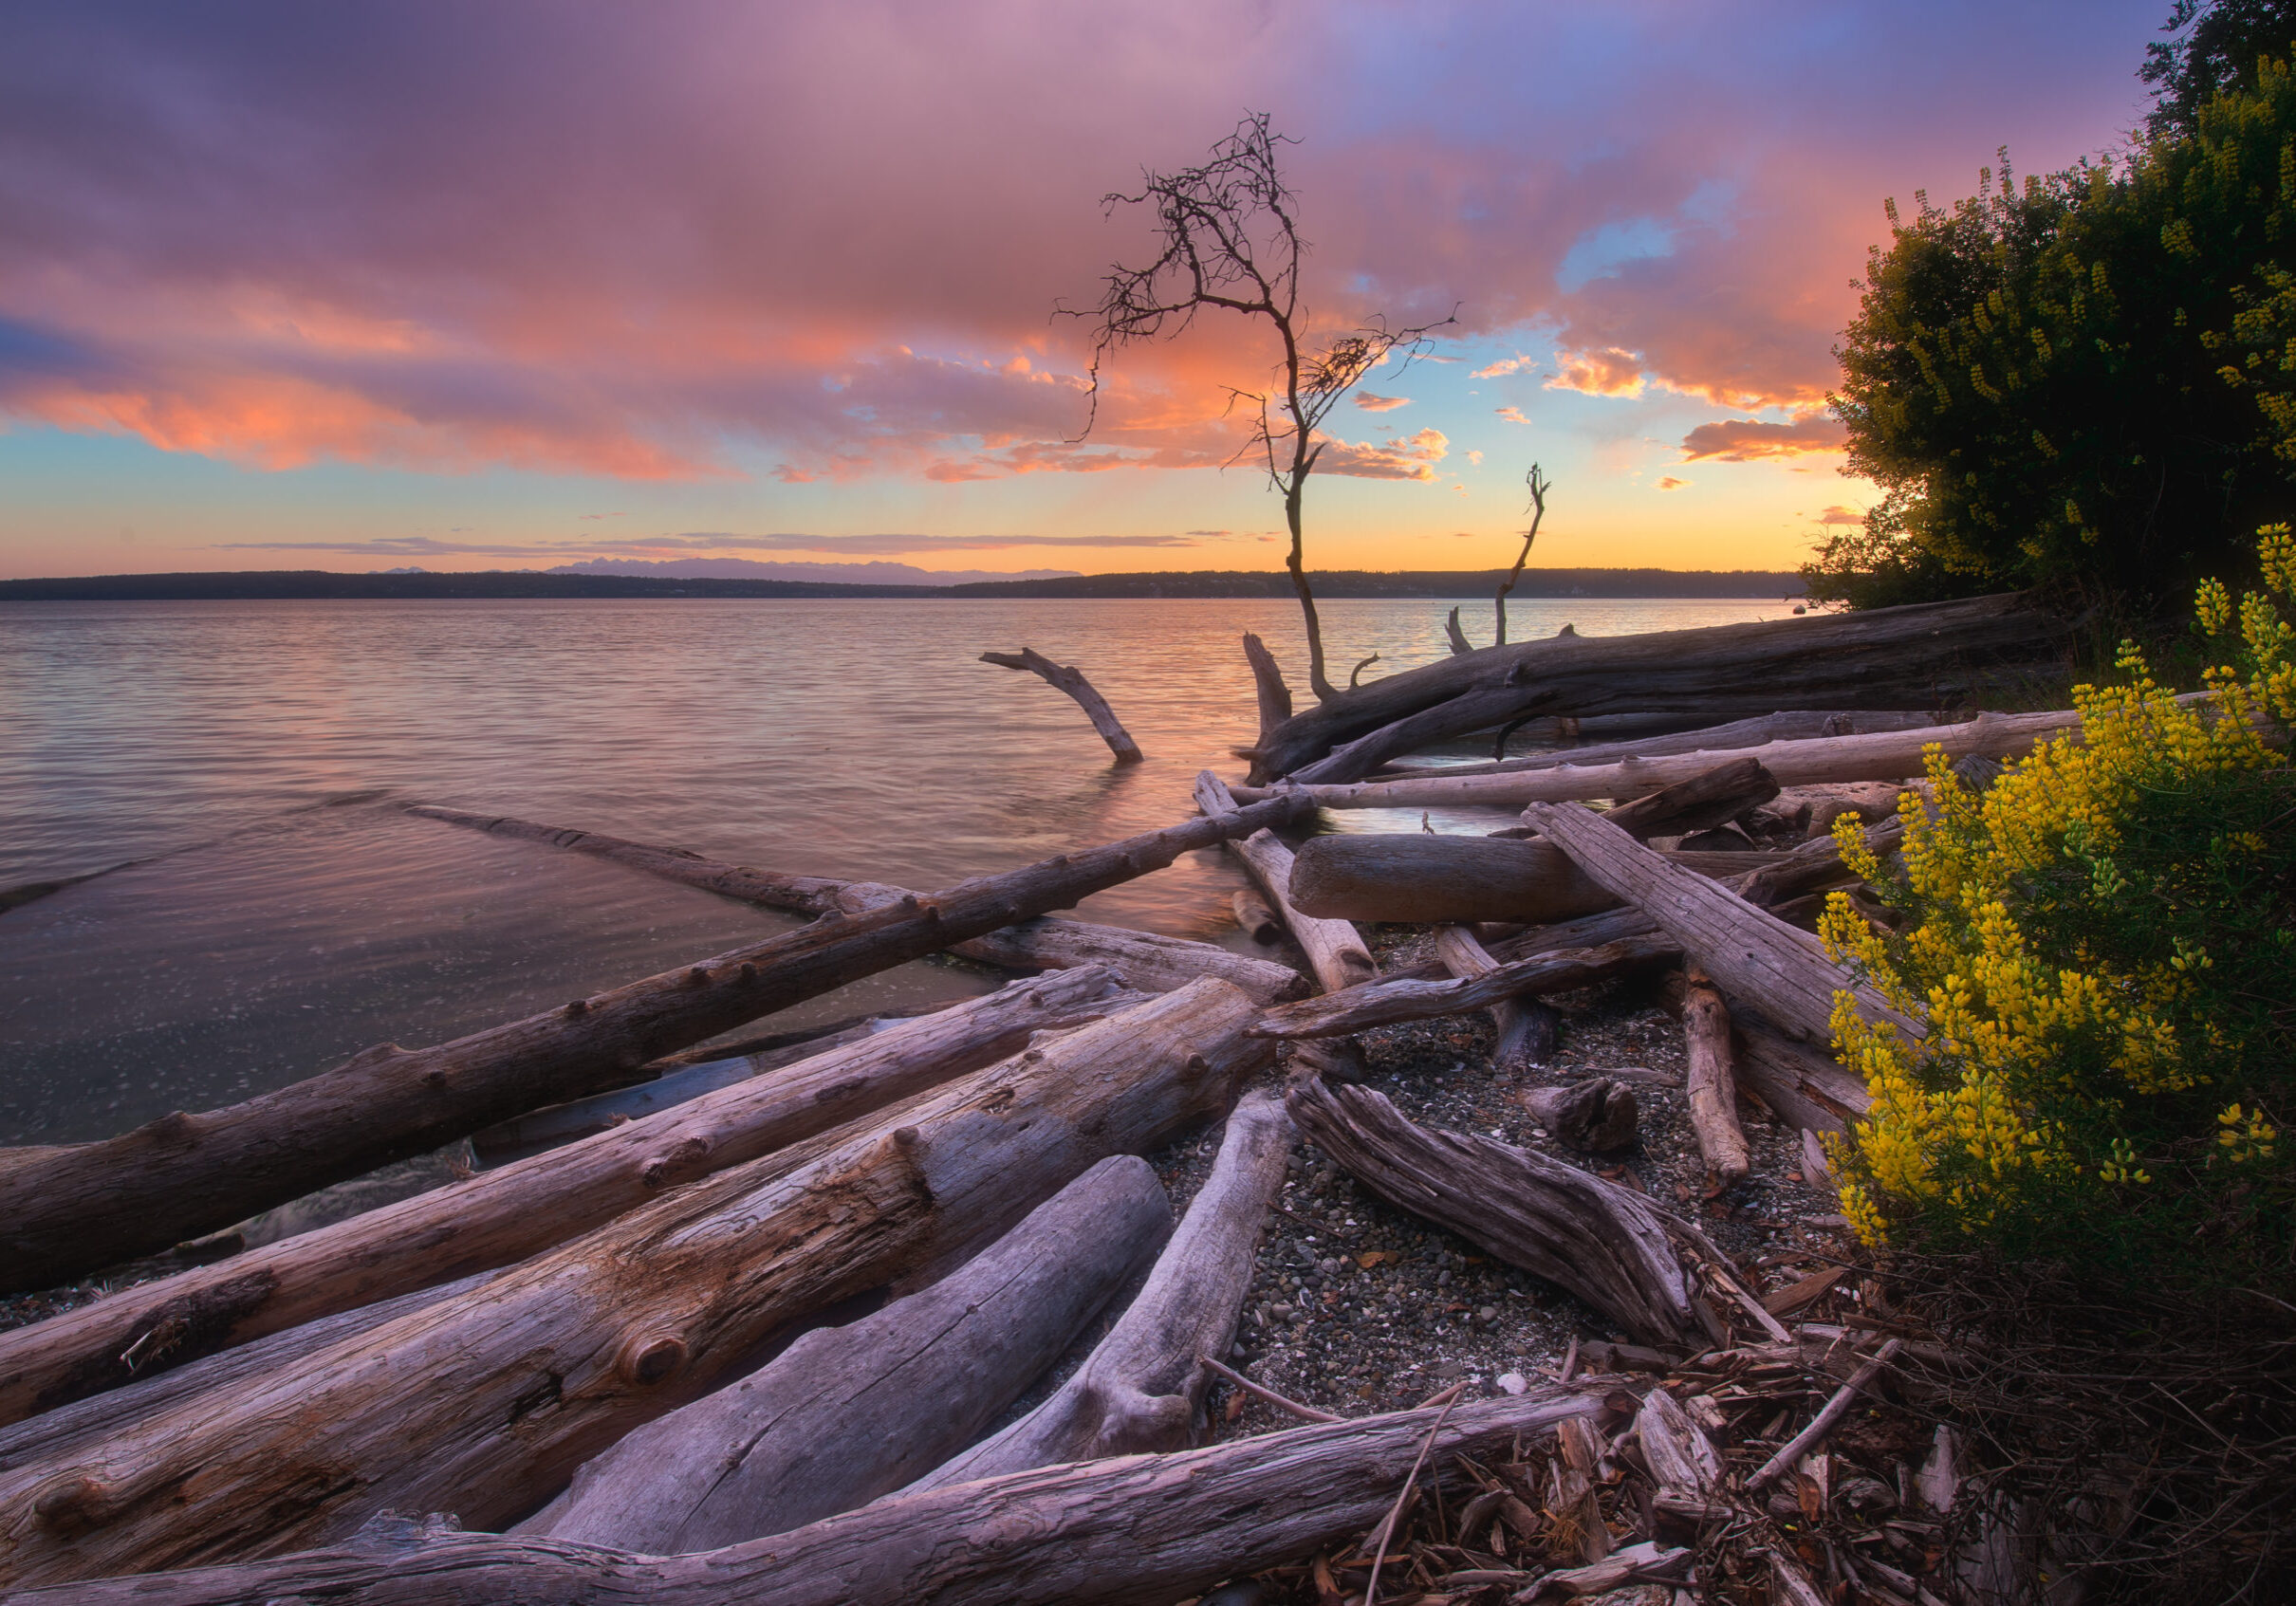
<point>1489,1312</point>
<point>1512,1382</point>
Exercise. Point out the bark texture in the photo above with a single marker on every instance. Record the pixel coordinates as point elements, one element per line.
<point>1415,878</point>
<point>506,1214</point>
<point>1071,679</point>
<point>484,1404</point>
<point>69,1210</point>
<point>848,1414</point>
<point>1142,1530</point>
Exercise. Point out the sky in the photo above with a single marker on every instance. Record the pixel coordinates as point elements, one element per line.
<point>508,285</point>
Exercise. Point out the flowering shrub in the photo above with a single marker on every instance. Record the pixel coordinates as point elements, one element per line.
<point>2101,950</point>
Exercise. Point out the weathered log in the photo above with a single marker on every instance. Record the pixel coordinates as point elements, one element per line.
<point>1143,1387</point>
<point>1592,1113</point>
<point>848,1414</point>
<point>1798,725</point>
<point>1147,961</point>
<point>1608,1244</point>
<point>1894,755</point>
<point>1251,913</point>
<point>1711,1081</point>
<point>1267,684</point>
<point>1815,866</point>
<point>1504,704</point>
<point>1410,879</point>
<point>1333,948</point>
<point>66,1209</point>
<point>506,1214</point>
<point>1754,955</point>
<point>1911,656</point>
<point>1381,1002</point>
<point>1526,1028</point>
<point>1456,635</point>
<point>485,1405</point>
<point>1071,679</point>
<point>1681,1458</point>
<point>1804,1085</point>
<point>1142,1530</point>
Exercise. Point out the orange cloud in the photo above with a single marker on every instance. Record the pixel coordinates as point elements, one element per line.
<point>1504,366</point>
<point>1607,371</point>
<point>1410,457</point>
<point>1371,403</point>
<point>1746,440</point>
<point>1512,415</point>
<point>1669,481</point>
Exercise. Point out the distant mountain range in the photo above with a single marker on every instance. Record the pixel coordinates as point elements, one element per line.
<point>875,572</point>
<point>1443,584</point>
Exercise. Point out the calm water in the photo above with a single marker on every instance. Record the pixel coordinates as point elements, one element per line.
<point>246,762</point>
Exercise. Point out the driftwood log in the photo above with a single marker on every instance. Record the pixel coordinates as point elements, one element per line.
<point>1335,949</point>
<point>1413,879</point>
<point>1145,960</point>
<point>1381,1002</point>
<point>1894,755</point>
<point>1069,680</point>
<point>1795,725</point>
<point>1754,954</point>
<point>1142,1530</point>
<point>1804,1084</point>
<point>506,1214</point>
<point>1708,1079</point>
<point>1593,1114</point>
<point>1526,1028</point>
<point>1267,684</point>
<point>1259,922</point>
<point>848,1414</point>
<point>1920,657</point>
<point>1608,1244</point>
<point>485,1405</point>
<point>1143,1387</point>
<point>68,1209</point>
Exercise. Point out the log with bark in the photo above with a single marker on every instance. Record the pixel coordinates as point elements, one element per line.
<point>1070,680</point>
<point>848,1414</point>
<point>1608,1244</point>
<point>1754,955</point>
<point>1143,1387</point>
<point>1147,961</point>
<point>1526,1028</point>
<point>1413,879</point>
<point>1892,755</point>
<point>1140,1530</point>
<point>1930,656</point>
<point>1335,949</point>
<point>68,1209</point>
<point>1797,724</point>
<point>1382,1003</point>
<point>1709,1078</point>
<point>506,1214</point>
<point>484,1404</point>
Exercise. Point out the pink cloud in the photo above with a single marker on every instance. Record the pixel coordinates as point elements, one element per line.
<point>1668,482</point>
<point>1402,457</point>
<point>1512,415</point>
<point>1744,440</point>
<point>1504,366</point>
<point>1608,371</point>
<point>1371,403</point>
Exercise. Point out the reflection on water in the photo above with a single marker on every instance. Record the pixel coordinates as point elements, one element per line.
<point>281,913</point>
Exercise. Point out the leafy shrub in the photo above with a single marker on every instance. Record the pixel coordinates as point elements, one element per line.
<point>2100,948</point>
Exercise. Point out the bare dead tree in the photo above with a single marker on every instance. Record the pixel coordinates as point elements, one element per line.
<point>1231,239</point>
<point>1540,485</point>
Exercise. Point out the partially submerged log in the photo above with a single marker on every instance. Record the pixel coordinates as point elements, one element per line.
<point>1608,1244</point>
<point>1335,949</point>
<point>1259,922</point>
<point>1412,878</point>
<point>1710,1083</point>
<point>71,1208</point>
<point>848,1414</point>
<point>1754,954</point>
<point>484,1404</point>
<point>1147,961</point>
<point>1142,1530</point>
<point>1381,1002</point>
<point>1071,679</point>
<point>1883,756</point>
<point>1926,655</point>
<point>1526,1028</point>
<point>1267,684</point>
<point>504,1215</point>
<point>1593,1114</point>
<point>1143,1387</point>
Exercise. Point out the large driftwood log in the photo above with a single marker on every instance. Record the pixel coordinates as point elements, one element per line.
<point>1333,948</point>
<point>1413,879</point>
<point>1798,725</point>
<point>1142,1530</point>
<point>1894,755</point>
<point>1071,679</point>
<point>1382,1003</point>
<point>65,1211</point>
<point>1608,1244</point>
<point>848,1414</point>
<point>506,1214</point>
<point>1143,1387</point>
<point>485,1405</point>
<point>1806,1086</point>
<point>1708,1079</point>
<point>1752,953</point>
<point>1505,704</point>
<point>1913,656</point>
<point>1145,960</point>
<point>1526,1028</point>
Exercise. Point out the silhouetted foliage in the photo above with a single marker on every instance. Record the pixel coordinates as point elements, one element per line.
<point>2211,48</point>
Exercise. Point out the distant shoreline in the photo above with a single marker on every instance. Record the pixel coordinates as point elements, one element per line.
<point>1336,585</point>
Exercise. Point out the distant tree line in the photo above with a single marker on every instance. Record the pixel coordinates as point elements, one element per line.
<point>2087,382</point>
